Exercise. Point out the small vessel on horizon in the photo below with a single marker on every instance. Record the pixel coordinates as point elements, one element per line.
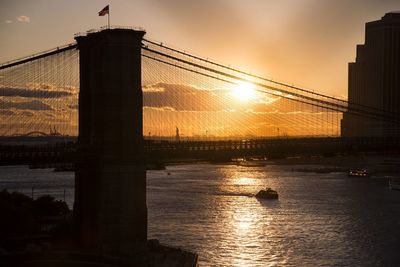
<point>357,173</point>
<point>251,163</point>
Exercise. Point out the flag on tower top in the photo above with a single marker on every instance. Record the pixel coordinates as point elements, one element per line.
<point>104,11</point>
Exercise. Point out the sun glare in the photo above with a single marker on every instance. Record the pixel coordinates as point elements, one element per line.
<point>244,91</point>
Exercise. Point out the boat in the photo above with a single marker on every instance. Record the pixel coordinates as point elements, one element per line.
<point>268,193</point>
<point>358,173</point>
<point>394,184</point>
<point>251,163</point>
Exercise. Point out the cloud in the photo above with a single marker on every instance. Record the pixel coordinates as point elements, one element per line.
<point>159,108</point>
<point>24,19</point>
<point>8,21</point>
<point>5,112</point>
<point>187,98</point>
<point>53,87</point>
<point>50,115</point>
<point>178,97</point>
<point>44,92</point>
<point>26,113</point>
<point>153,88</point>
<point>25,105</point>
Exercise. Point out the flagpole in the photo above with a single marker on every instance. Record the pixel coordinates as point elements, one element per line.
<point>106,10</point>
<point>108,16</point>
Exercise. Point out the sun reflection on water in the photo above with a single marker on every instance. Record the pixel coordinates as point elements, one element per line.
<point>245,218</point>
<point>211,209</point>
<point>244,181</point>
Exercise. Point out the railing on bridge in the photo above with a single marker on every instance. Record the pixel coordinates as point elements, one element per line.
<point>50,155</point>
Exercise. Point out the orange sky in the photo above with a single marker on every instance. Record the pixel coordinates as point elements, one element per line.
<point>307,43</point>
<point>304,42</point>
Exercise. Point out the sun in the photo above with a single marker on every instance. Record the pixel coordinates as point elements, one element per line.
<point>244,91</point>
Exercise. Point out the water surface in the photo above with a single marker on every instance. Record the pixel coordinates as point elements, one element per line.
<point>319,219</point>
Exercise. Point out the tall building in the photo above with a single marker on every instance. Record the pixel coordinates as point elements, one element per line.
<point>374,80</point>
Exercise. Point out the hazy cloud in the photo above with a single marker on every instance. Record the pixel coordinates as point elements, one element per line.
<point>8,21</point>
<point>159,108</point>
<point>45,92</point>
<point>50,115</point>
<point>152,88</point>
<point>26,113</point>
<point>52,87</point>
<point>25,105</point>
<point>180,97</point>
<point>23,18</point>
<point>186,98</point>
<point>5,112</point>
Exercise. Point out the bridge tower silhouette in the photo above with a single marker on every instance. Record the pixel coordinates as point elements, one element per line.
<point>110,195</point>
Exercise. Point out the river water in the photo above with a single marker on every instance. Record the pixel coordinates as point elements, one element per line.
<point>319,219</point>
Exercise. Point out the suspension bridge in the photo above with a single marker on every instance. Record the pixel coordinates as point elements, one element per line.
<point>192,108</point>
<point>115,100</point>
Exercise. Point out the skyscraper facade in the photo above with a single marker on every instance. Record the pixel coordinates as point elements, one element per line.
<point>374,81</point>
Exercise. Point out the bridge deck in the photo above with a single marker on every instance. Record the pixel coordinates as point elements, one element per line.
<point>34,152</point>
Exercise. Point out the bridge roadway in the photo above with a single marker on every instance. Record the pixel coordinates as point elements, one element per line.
<point>223,150</point>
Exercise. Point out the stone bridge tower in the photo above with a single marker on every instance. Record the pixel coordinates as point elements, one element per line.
<point>110,195</point>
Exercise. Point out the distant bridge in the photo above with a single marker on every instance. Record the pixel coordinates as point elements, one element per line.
<point>33,133</point>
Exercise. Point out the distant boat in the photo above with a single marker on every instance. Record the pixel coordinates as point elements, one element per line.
<point>358,173</point>
<point>268,193</point>
<point>394,184</point>
<point>246,163</point>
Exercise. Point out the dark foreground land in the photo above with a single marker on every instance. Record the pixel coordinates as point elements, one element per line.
<point>41,232</point>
